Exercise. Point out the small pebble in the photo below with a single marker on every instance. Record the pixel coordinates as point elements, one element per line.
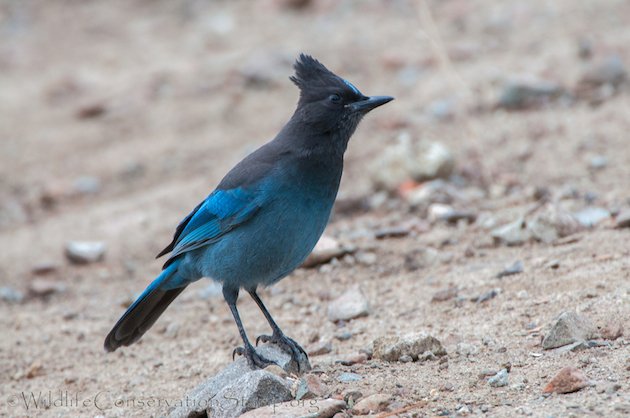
<point>623,219</point>
<point>499,380</point>
<point>85,252</point>
<point>590,217</point>
<point>444,294</point>
<point>44,268</point>
<point>343,335</point>
<point>349,377</point>
<point>568,380</point>
<point>351,304</point>
<point>326,249</point>
<point>352,359</point>
<point>484,297</point>
<point>8,294</point>
<point>514,268</point>
<point>405,358</point>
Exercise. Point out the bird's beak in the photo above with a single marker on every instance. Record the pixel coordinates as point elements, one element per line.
<point>368,103</point>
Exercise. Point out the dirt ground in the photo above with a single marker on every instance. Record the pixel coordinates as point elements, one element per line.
<point>156,100</point>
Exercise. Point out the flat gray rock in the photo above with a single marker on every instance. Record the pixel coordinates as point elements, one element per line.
<point>351,304</point>
<point>568,328</point>
<point>237,389</point>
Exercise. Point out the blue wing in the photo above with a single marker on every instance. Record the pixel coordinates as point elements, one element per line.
<point>222,211</point>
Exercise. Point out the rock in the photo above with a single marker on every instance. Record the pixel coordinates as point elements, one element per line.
<point>528,93</point>
<point>486,296</point>
<point>351,359</point>
<point>349,377</point>
<point>44,268</point>
<point>351,304</point>
<point>446,213</point>
<point>514,233</point>
<point>366,258</point>
<point>609,71</point>
<point>466,349</point>
<point>44,287</point>
<point>277,370</point>
<point>612,330</point>
<point>351,397</point>
<point>552,224</point>
<point>568,380</point>
<point>590,217</point>
<point>433,160</point>
<point>444,294</point>
<point>8,294</point>
<point>237,389</point>
<point>582,345</point>
<point>91,110</point>
<point>85,252</point>
<point>463,411</point>
<point>315,408</point>
<point>430,192</point>
<point>392,348</point>
<point>623,219</point>
<point>343,335</point>
<point>87,185</point>
<point>372,404</point>
<point>601,80</point>
<point>320,348</point>
<point>598,162</point>
<point>411,160</point>
<point>499,380</point>
<point>325,250</point>
<point>294,4</point>
<point>172,330</point>
<point>392,232</point>
<point>514,268</point>
<point>405,358</point>
<point>553,264</point>
<point>310,387</point>
<point>568,328</point>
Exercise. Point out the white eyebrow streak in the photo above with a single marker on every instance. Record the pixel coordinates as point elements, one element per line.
<point>354,89</point>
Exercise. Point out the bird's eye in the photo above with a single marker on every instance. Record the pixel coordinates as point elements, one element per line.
<point>334,98</point>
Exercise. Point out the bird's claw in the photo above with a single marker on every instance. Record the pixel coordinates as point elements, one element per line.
<point>264,338</point>
<point>254,359</point>
<point>286,344</point>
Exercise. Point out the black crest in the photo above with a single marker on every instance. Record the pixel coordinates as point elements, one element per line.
<point>316,81</point>
<point>310,73</point>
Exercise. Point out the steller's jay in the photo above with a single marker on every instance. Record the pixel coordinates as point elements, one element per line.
<point>265,216</point>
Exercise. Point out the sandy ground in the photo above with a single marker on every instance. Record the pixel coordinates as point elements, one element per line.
<point>158,99</point>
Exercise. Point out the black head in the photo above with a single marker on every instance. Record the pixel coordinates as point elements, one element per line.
<point>328,103</point>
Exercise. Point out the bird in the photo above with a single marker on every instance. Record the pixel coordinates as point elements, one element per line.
<point>265,216</point>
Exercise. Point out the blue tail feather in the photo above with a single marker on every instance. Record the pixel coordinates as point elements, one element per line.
<point>143,313</point>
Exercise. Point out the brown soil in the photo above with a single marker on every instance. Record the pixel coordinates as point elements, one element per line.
<point>151,98</point>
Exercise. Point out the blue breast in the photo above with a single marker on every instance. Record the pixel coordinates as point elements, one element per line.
<point>277,239</point>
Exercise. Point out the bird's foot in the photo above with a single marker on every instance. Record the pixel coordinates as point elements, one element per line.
<point>255,360</point>
<point>288,345</point>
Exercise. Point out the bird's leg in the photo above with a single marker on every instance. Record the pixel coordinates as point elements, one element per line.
<point>277,337</point>
<point>253,358</point>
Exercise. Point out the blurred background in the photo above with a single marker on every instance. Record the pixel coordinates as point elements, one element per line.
<point>488,198</point>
